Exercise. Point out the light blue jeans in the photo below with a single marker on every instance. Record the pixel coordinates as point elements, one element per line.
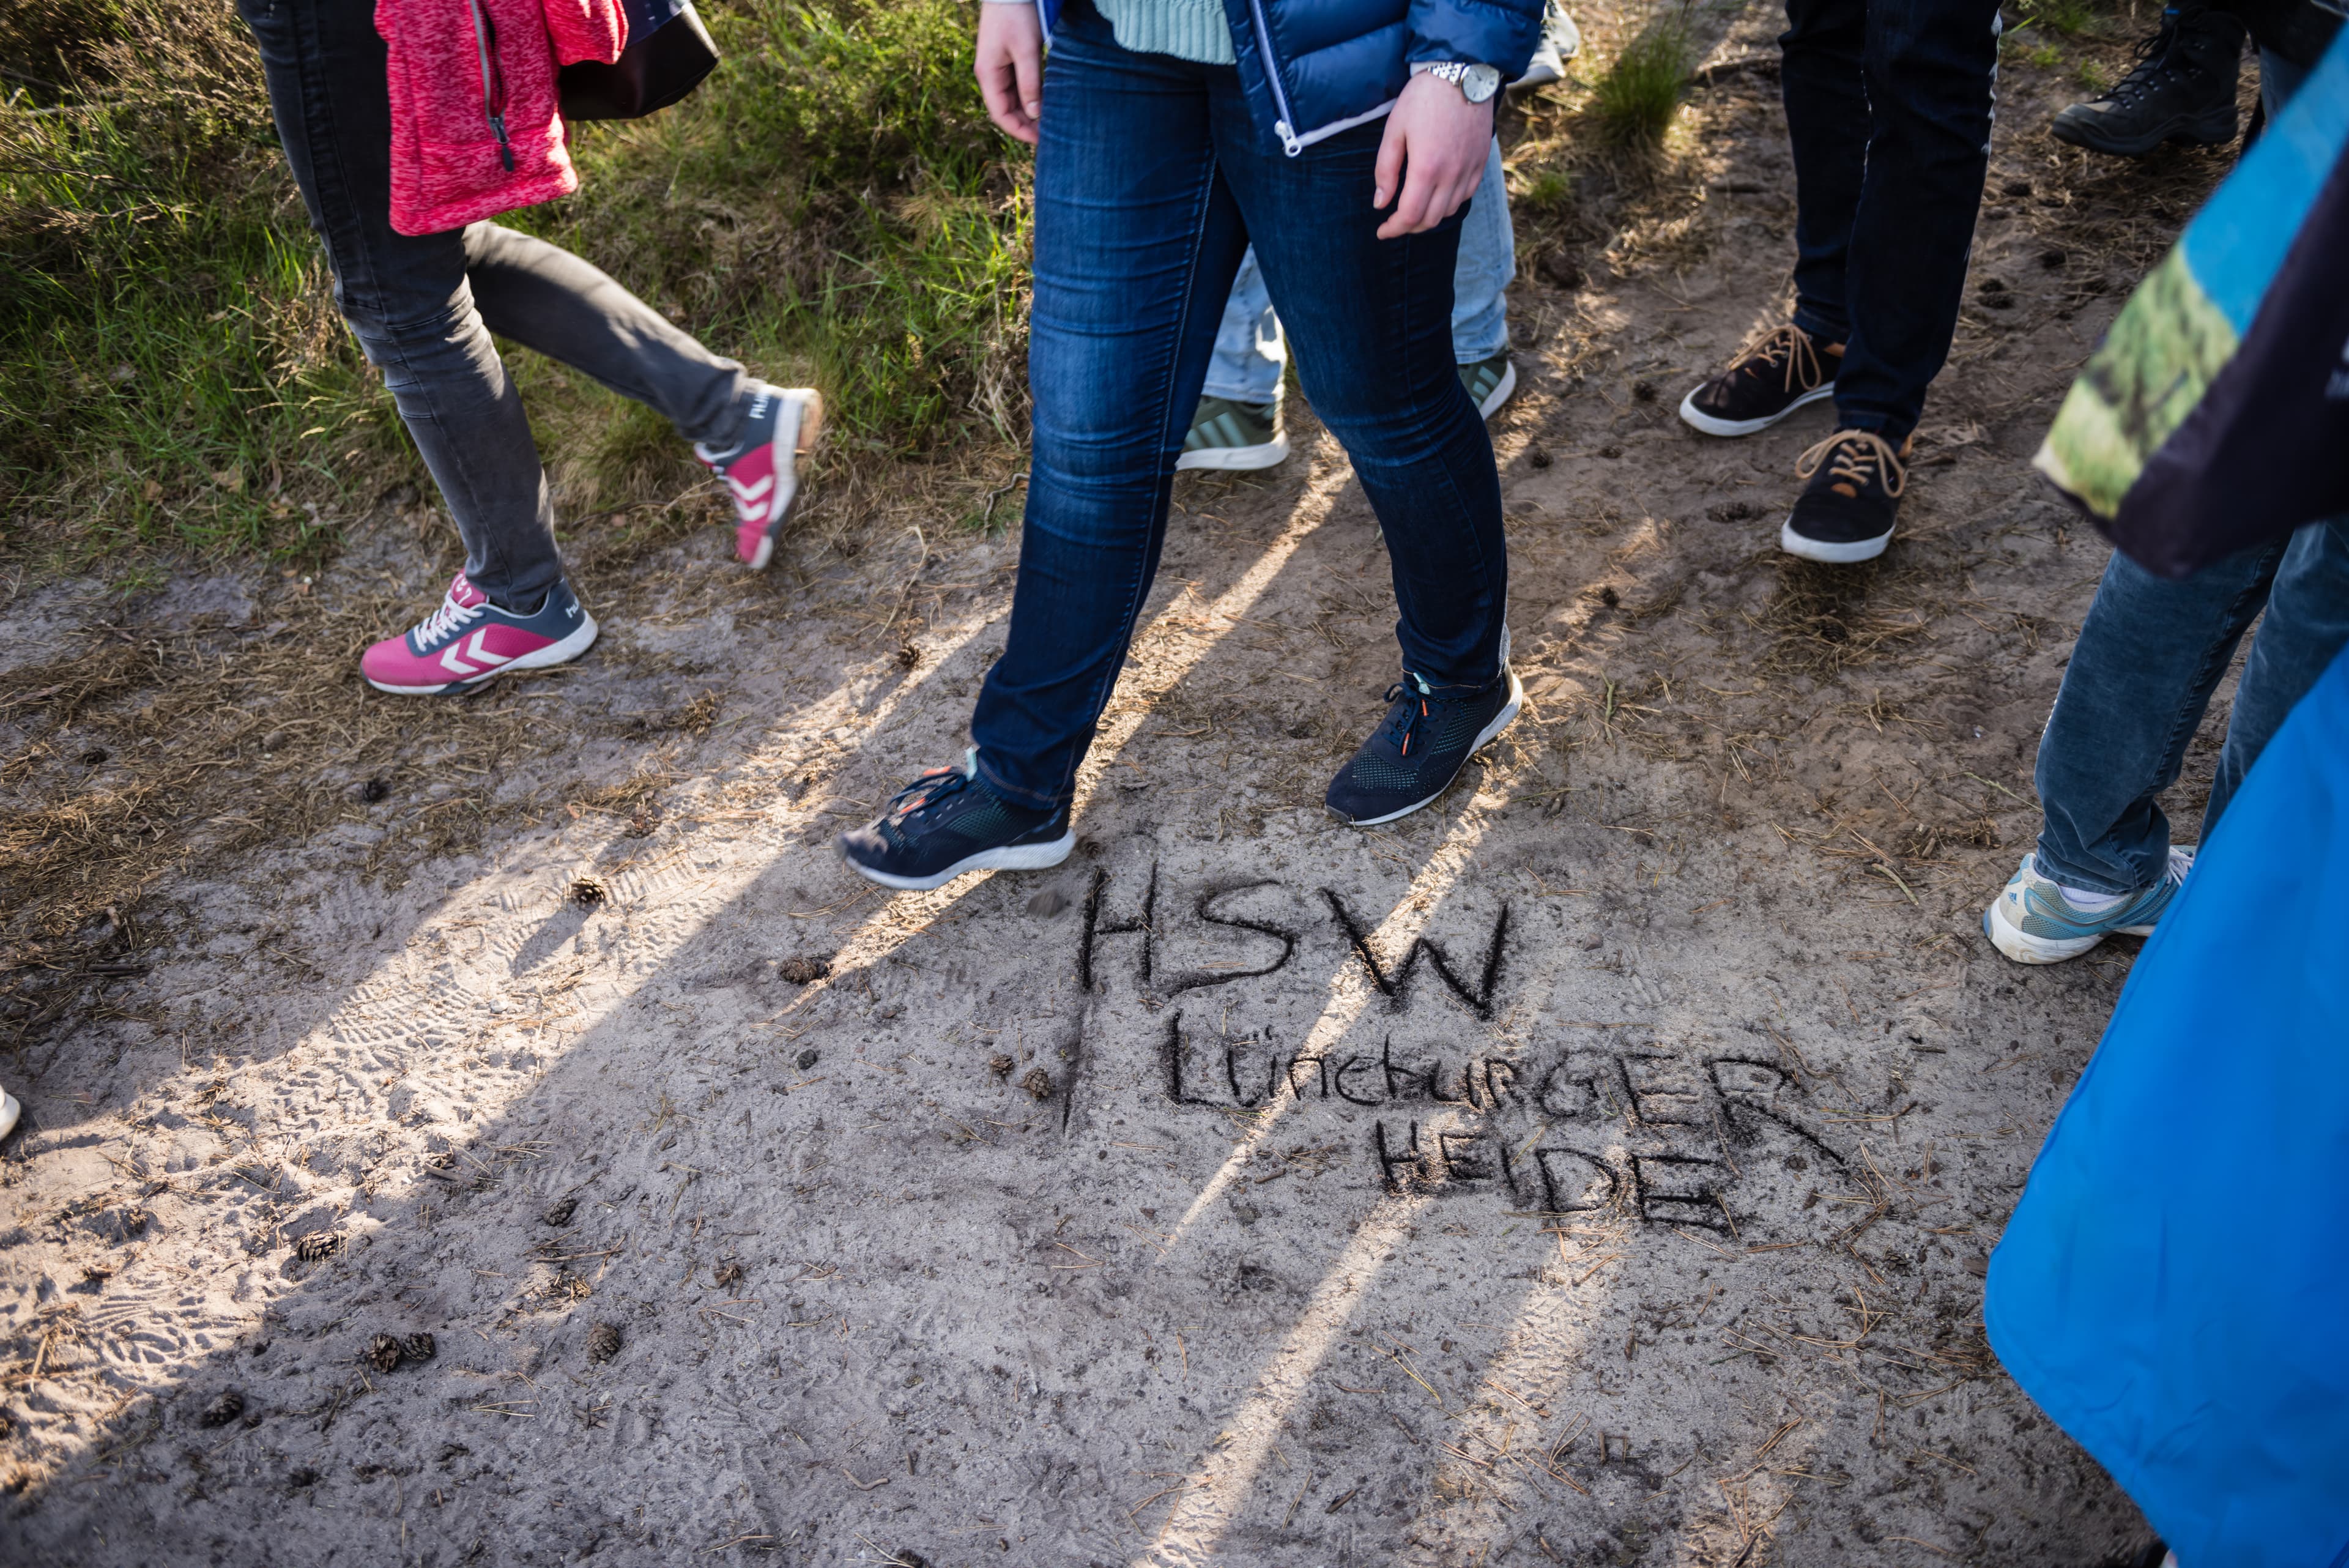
<point>1249,353</point>
<point>2149,654</point>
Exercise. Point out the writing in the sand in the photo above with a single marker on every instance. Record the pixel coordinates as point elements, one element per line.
<point>1629,1126</point>
<point>1475,982</point>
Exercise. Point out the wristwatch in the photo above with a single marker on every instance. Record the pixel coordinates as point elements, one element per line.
<point>1476,82</point>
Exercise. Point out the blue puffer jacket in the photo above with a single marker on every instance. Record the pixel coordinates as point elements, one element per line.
<point>1315,68</point>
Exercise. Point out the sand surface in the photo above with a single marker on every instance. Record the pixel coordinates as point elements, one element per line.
<point>1598,1170</point>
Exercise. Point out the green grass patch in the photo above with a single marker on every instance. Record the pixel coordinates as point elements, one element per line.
<point>1549,193</point>
<point>2065,18</point>
<point>1640,91</point>
<point>831,205</point>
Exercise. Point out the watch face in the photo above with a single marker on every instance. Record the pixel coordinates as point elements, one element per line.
<point>1478,83</point>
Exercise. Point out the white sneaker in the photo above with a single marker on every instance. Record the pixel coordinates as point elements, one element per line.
<point>2031,921</point>
<point>1561,40</point>
<point>9,1111</point>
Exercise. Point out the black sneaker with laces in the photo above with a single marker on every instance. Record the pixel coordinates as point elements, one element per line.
<point>2182,89</point>
<point>1764,383</point>
<point>948,821</point>
<point>1427,738</point>
<point>1844,513</point>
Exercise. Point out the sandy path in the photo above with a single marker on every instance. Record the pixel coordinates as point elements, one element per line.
<point>1598,1170</point>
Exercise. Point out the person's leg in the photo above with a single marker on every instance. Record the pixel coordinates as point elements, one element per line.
<point>2306,627</point>
<point>1137,242</point>
<point>406,297</point>
<point>546,299</point>
<point>1250,355</point>
<point>2140,677</point>
<point>1823,82</point>
<point>1932,68</point>
<point>1370,323</point>
<point>749,434</point>
<point>1486,266</point>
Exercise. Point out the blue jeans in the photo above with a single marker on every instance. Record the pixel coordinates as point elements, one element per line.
<point>423,307</point>
<point>1889,111</point>
<point>1151,179</point>
<point>2149,654</point>
<point>1248,350</point>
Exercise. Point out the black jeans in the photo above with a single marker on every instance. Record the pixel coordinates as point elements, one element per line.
<point>423,307</point>
<point>1150,180</point>
<point>1889,107</point>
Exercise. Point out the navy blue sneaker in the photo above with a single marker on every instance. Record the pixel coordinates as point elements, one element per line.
<point>948,821</point>
<point>1427,739</point>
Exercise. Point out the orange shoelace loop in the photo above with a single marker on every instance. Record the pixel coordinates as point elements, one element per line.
<point>1791,346</point>
<point>1858,456</point>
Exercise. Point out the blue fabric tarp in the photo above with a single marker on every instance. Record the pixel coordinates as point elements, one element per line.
<point>2173,1289</point>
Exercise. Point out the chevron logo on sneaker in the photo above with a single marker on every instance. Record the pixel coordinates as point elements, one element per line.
<point>750,500</point>
<point>468,639</point>
<point>482,656</point>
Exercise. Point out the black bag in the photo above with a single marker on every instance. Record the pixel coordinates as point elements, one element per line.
<point>668,53</point>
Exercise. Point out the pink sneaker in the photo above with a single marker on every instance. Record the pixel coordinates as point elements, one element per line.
<point>468,640</point>
<point>762,474</point>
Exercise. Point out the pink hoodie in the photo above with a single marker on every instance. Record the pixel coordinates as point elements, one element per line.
<point>475,125</point>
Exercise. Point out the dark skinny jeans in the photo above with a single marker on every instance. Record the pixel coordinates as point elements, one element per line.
<point>1150,180</point>
<point>1888,110</point>
<point>424,306</point>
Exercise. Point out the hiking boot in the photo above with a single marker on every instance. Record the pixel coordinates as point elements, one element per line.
<point>1490,383</point>
<point>761,473</point>
<point>468,639</point>
<point>2182,89</point>
<point>1845,512</point>
<point>947,822</point>
<point>2038,921</point>
<point>1427,738</point>
<point>1764,383</point>
<point>1232,437</point>
<point>1561,40</point>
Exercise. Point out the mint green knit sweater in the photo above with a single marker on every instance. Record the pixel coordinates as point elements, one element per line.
<point>1187,29</point>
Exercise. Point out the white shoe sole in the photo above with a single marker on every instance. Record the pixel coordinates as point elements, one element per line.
<point>1500,393</point>
<point>562,652</point>
<point>9,1111</point>
<point>1834,554</point>
<point>806,427</point>
<point>1012,857</point>
<point>1236,458</point>
<point>2024,948</point>
<point>1501,720</point>
<point>1697,419</point>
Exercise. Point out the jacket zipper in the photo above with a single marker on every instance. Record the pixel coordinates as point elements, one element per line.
<point>1285,126</point>
<point>493,84</point>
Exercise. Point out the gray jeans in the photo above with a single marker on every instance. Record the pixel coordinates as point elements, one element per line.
<point>424,306</point>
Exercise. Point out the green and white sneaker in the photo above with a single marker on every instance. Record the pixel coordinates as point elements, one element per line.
<point>1561,40</point>
<point>1234,437</point>
<point>2037,920</point>
<point>1490,382</point>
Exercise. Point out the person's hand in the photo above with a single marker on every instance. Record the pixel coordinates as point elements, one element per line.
<point>1011,66</point>
<point>1434,149</point>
